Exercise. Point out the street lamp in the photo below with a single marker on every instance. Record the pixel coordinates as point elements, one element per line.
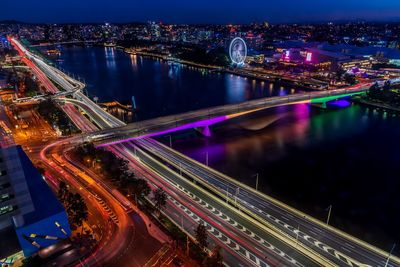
<point>329,214</point>
<point>170,140</point>
<point>297,234</point>
<point>236,194</point>
<point>206,158</point>
<point>256,175</point>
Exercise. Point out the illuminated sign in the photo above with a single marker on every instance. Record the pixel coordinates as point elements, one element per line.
<point>287,55</point>
<point>309,56</point>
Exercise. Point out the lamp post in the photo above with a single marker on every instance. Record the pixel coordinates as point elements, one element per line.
<point>236,194</point>
<point>297,234</point>
<point>170,141</point>
<point>256,175</point>
<point>206,158</point>
<point>329,214</point>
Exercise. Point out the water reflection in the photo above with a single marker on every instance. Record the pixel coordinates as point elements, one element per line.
<point>235,89</point>
<point>174,70</point>
<point>110,57</point>
<point>134,63</point>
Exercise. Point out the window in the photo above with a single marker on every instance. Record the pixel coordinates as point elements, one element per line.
<point>5,197</point>
<point>6,209</point>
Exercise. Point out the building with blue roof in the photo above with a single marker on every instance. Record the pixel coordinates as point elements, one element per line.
<point>28,205</point>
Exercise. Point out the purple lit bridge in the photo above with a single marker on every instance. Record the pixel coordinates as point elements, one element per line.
<point>202,119</point>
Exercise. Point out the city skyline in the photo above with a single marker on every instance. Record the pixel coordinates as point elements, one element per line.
<point>207,12</point>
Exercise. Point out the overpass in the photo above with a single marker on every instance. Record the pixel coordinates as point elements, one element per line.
<point>71,87</point>
<point>35,99</point>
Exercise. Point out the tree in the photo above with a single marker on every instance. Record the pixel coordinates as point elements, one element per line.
<point>201,235</point>
<point>78,210</point>
<point>350,79</point>
<point>32,261</point>
<point>216,259</point>
<point>159,198</point>
<point>139,187</point>
<point>339,73</point>
<point>74,205</point>
<point>62,192</point>
<point>386,86</point>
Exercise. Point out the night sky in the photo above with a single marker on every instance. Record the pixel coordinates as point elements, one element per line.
<point>198,11</point>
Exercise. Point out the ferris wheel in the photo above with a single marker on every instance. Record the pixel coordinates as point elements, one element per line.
<point>238,51</point>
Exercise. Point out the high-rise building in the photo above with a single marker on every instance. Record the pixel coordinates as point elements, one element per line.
<point>15,198</point>
<point>29,210</point>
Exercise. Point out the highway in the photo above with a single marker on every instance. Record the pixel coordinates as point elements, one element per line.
<point>80,121</point>
<point>97,118</point>
<point>245,241</point>
<point>126,234</point>
<point>335,245</point>
<point>66,83</point>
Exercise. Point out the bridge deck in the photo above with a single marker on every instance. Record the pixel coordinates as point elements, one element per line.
<point>210,116</point>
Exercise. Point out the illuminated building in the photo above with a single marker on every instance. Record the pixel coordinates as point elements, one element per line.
<point>259,59</point>
<point>362,63</point>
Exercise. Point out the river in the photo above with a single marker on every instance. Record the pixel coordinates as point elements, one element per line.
<point>346,156</point>
<point>160,88</point>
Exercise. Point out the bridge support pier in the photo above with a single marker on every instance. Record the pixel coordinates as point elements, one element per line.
<point>205,131</point>
<point>320,105</point>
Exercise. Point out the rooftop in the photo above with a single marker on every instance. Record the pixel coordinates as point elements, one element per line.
<point>44,200</point>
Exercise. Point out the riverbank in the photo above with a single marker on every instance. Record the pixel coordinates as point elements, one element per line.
<point>274,78</point>
<point>171,59</point>
<point>374,104</point>
<point>268,77</point>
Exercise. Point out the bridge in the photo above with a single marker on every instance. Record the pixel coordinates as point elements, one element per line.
<point>202,119</point>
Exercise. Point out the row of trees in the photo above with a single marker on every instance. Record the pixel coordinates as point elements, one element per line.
<point>55,116</point>
<point>114,169</point>
<point>342,75</point>
<point>75,206</point>
<point>384,94</point>
<point>217,56</point>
